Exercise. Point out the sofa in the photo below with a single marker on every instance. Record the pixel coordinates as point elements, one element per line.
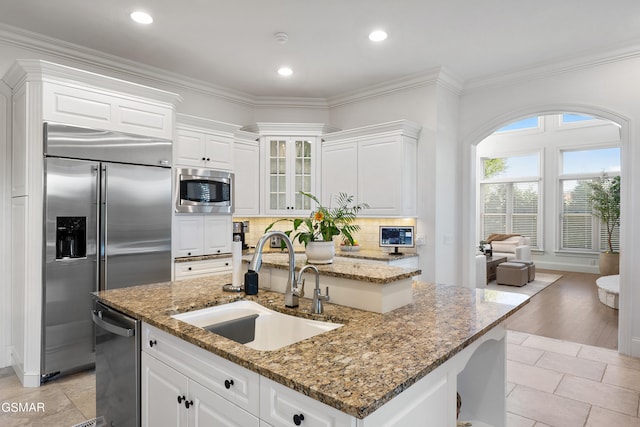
<point>514,247</point>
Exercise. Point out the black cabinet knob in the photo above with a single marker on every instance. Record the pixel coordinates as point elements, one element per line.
<point>298,419</point>
<point>228,384</point>
<point>208,159</point>
<point>189,253</point>
<point>181,398</point>
<point>226,263</point>
<point>152,343</point>
<point>218,250</point>
<point>188,403</point>
<point>203,159</point>
<point>189,268</point>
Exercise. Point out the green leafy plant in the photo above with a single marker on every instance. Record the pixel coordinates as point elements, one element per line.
<point>605,202</point>
<point>325,222</point>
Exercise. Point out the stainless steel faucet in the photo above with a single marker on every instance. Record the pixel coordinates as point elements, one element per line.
<point>292,291</point>
<point>316,306</point>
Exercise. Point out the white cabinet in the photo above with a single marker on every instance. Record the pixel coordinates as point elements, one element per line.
<point>193,269</point>
<point>215,387</point>
<point>282,407</point>
<point>203,143</point>
<point>195,235</point>
<point>377,163</point>
<point>170,398</point>
<point>246,169</point>
<point>290,168</point>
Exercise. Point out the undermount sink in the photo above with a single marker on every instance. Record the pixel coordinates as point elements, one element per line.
<point>255,326</point>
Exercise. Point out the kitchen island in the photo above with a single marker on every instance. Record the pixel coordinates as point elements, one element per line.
<point>367,364</point>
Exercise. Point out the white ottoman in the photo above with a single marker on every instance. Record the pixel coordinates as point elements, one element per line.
<point>609,290</point>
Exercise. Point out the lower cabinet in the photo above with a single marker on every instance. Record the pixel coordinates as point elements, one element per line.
<point>193,269</point>
<point>170,398</point>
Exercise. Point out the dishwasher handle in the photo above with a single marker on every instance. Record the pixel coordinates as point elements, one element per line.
<point>99,320</point>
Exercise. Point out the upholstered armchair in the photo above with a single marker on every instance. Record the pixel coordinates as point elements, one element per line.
<point>514,247</point>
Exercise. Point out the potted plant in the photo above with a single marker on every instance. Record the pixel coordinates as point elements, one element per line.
<point>605,202</point>
<point>318,230</point>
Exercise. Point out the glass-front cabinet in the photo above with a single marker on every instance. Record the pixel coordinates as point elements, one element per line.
<point>291,168</point>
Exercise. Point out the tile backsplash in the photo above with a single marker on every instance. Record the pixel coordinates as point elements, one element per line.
<point>367,237</point>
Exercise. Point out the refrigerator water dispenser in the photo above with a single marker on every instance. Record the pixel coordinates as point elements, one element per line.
<point>71,237</point>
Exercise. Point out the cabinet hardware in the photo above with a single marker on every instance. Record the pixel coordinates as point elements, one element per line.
<point>181,398</point>
<point>203,159</point>
<point>298,419</point>
<point>152,343</point>
<point>228,384</point>
<point>188,403</point>
<point>189,268</point>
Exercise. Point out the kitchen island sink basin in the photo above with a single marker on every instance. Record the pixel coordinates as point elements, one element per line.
<point>254,325</point>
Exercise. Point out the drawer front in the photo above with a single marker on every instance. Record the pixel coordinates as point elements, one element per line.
<point>282,407</point>
<point>232,382</point>
<point>202,268</point>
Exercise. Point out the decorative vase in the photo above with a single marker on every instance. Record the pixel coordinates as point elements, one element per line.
<point>320,252</point>
<point>609,263</point>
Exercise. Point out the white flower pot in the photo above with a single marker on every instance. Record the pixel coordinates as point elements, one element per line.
<point>320,252</point>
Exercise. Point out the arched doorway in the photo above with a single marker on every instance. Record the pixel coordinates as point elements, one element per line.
<point>533,180</point>
<point>473,138</point>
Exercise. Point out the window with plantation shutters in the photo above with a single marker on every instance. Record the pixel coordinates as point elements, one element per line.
<point>580,230</point>
<point>511,197</point>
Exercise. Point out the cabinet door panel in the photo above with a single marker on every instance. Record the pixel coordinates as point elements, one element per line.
<point>161,387</point>
<point>190,148</point>
<point>380,175</point>
<point>218,152</point>
<point>188,235</point>
<point>247,178</point>
<point>339,170</point>
<point>211,410</point>
<point>217,234</point>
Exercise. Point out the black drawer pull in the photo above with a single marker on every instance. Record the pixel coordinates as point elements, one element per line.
<point>228,384</point>
<point>298,419</point>
<point>152,343</point>
<point>181,398</point>
<point>188,403</point>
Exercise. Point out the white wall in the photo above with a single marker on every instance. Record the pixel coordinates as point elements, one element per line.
<point>604,89</point>
<point>549,140</point>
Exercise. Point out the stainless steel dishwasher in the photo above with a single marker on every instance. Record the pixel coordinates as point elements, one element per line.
<point>117,368</point>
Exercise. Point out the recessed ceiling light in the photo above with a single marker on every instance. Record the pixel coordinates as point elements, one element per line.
<point>285,71</point>
<point>377,36</point>
<point>141,17</point>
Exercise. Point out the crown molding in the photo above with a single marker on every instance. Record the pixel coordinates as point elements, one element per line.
<point>582,61</point>
<point>194,122</point>
<point>290,129</point>
<point>396,127</point>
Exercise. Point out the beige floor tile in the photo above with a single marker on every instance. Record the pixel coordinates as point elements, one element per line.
<point>509,388</point>
<point>572,365</point>
<point>514,420</point>
<point>599,394</point>
<point>611,357</point>
<point>532,377</point>
<point>540,425</point>
<point>550,344</point>
<point>622,377</point>
<point>523,354</point>
<point>600,417</point>
<point>54,403</point>
<point>515,337</point>
<point>547,408</point>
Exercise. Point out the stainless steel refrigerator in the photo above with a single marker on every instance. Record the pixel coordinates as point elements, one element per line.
<point>107,201</point>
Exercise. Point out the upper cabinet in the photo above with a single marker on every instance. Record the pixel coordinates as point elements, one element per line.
<point>377,164</point>
<point>246,152</point>
<point>290,163</point>
<point>204,143</point>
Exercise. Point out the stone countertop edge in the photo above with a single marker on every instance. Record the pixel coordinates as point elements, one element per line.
<point>369,254</point>
<point>356,368</point>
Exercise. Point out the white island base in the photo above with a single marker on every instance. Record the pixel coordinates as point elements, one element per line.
<point>174,369</point>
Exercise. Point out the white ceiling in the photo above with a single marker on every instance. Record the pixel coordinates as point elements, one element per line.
<point>230,43</point>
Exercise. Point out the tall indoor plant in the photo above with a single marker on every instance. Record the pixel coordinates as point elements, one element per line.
<point>317,231</point>
<point>605,202</point>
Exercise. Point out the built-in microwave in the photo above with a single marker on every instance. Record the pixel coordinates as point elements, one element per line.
<point>204,191</point>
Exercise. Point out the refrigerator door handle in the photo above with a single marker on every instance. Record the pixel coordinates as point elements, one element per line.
<point>102,227</point>
<point>99,320</point>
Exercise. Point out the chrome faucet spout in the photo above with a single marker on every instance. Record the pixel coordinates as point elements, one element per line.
<point>290,297</point>
<point>318,298</point>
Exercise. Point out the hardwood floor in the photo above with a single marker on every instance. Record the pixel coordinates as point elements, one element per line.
<point>569,310</point>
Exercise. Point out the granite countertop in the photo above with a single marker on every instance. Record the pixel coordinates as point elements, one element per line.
<point>372,273</point>
<point>355,368</point>
<point>372,254</point>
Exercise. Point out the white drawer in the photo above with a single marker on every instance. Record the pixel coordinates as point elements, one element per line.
<point>189,270</point>
<point>233,382</point>
<point>279,405</point>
